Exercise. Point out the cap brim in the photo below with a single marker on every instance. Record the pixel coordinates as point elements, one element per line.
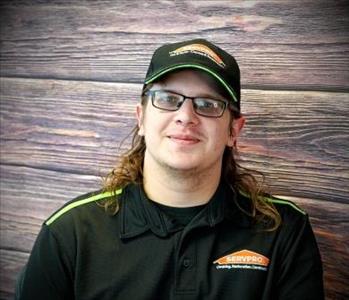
<point>194,66</point>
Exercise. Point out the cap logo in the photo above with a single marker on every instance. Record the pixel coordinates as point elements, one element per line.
<point>199,49</point>
<point>244,259</point>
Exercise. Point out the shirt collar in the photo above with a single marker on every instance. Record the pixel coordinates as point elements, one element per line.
<point>139,214</point>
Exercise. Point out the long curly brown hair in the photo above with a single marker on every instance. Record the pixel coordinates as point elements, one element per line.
<point>130,170</point>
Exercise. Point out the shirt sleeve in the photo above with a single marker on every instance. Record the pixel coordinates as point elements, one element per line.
<point>301,275</point>
<point>47,274</point>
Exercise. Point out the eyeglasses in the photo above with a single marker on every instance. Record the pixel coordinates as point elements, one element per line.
<point>171,101</point>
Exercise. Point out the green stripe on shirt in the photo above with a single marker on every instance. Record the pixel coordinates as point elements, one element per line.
<point>81,202</point>
<point>279,201</point>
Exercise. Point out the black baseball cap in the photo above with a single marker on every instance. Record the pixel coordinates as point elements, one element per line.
<point>197,54</point>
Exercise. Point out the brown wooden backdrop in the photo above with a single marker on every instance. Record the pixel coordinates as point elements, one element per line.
<point>71,73</point>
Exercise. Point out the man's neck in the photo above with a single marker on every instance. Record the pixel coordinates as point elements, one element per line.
<point>180,188</point>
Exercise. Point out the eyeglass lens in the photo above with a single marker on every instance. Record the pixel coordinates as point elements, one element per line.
<point>171,101</point>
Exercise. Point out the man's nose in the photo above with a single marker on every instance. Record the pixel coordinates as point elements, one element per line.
<point>186,113</point>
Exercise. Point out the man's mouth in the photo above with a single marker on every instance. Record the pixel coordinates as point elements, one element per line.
<point>184,139</point>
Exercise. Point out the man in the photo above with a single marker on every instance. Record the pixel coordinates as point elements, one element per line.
<point>179,218</point>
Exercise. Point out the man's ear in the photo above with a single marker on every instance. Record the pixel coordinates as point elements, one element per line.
<point>140,116</point>
<point>235,130</point>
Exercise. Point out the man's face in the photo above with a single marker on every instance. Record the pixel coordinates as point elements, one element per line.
<point>183,140</point>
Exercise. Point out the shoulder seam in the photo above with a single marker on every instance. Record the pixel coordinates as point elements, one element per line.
<point>72,205</point>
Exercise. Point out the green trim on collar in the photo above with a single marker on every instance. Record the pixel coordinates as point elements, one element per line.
<point>279,201</point>
<point>286,202</point>
<point>72,205</point>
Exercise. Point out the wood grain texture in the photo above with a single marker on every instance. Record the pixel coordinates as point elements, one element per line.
<point>300,140</point>
<point>295,138</point>
<point>279,44</point>
<point>11,262</point>
<point>32,195</point>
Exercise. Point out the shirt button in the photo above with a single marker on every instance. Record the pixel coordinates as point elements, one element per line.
<point>186,263</point>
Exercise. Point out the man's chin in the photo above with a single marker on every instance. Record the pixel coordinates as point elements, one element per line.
<point>181,167</point>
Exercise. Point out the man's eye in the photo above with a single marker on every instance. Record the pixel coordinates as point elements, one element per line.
<point>208,104</point>
<point>169,99</point>
<point>204,103</point>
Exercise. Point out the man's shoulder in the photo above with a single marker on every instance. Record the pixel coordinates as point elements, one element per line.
<point>81,205</point>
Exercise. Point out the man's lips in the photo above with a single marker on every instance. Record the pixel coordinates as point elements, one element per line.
<point>184,138</point>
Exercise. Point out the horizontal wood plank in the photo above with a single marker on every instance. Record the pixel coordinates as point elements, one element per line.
<point>279,44</point>
<point>299,140</point>
<point>11,262</point>
<point>30,196</point>
<point>296,138</point>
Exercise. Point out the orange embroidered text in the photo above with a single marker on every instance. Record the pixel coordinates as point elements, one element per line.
<point>243,257</point>
<point>201,50</point>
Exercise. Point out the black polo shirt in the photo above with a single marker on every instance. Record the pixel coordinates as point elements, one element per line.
<point>142,253</point>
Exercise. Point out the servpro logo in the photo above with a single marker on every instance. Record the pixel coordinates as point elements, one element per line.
<point>200,50</point>
<point>244,259</point>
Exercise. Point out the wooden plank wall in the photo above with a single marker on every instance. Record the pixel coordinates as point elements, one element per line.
<point>72,71</point>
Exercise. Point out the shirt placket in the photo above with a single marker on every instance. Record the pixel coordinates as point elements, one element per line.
<point>186,285</point>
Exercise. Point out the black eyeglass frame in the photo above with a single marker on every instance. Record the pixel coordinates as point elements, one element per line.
<point>151,93</point>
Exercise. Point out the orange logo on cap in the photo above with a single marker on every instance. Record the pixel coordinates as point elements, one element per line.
<point>243,257</point>
<point>201,50</point>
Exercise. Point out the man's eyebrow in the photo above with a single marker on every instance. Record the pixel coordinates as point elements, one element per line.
<point>214,95</point>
